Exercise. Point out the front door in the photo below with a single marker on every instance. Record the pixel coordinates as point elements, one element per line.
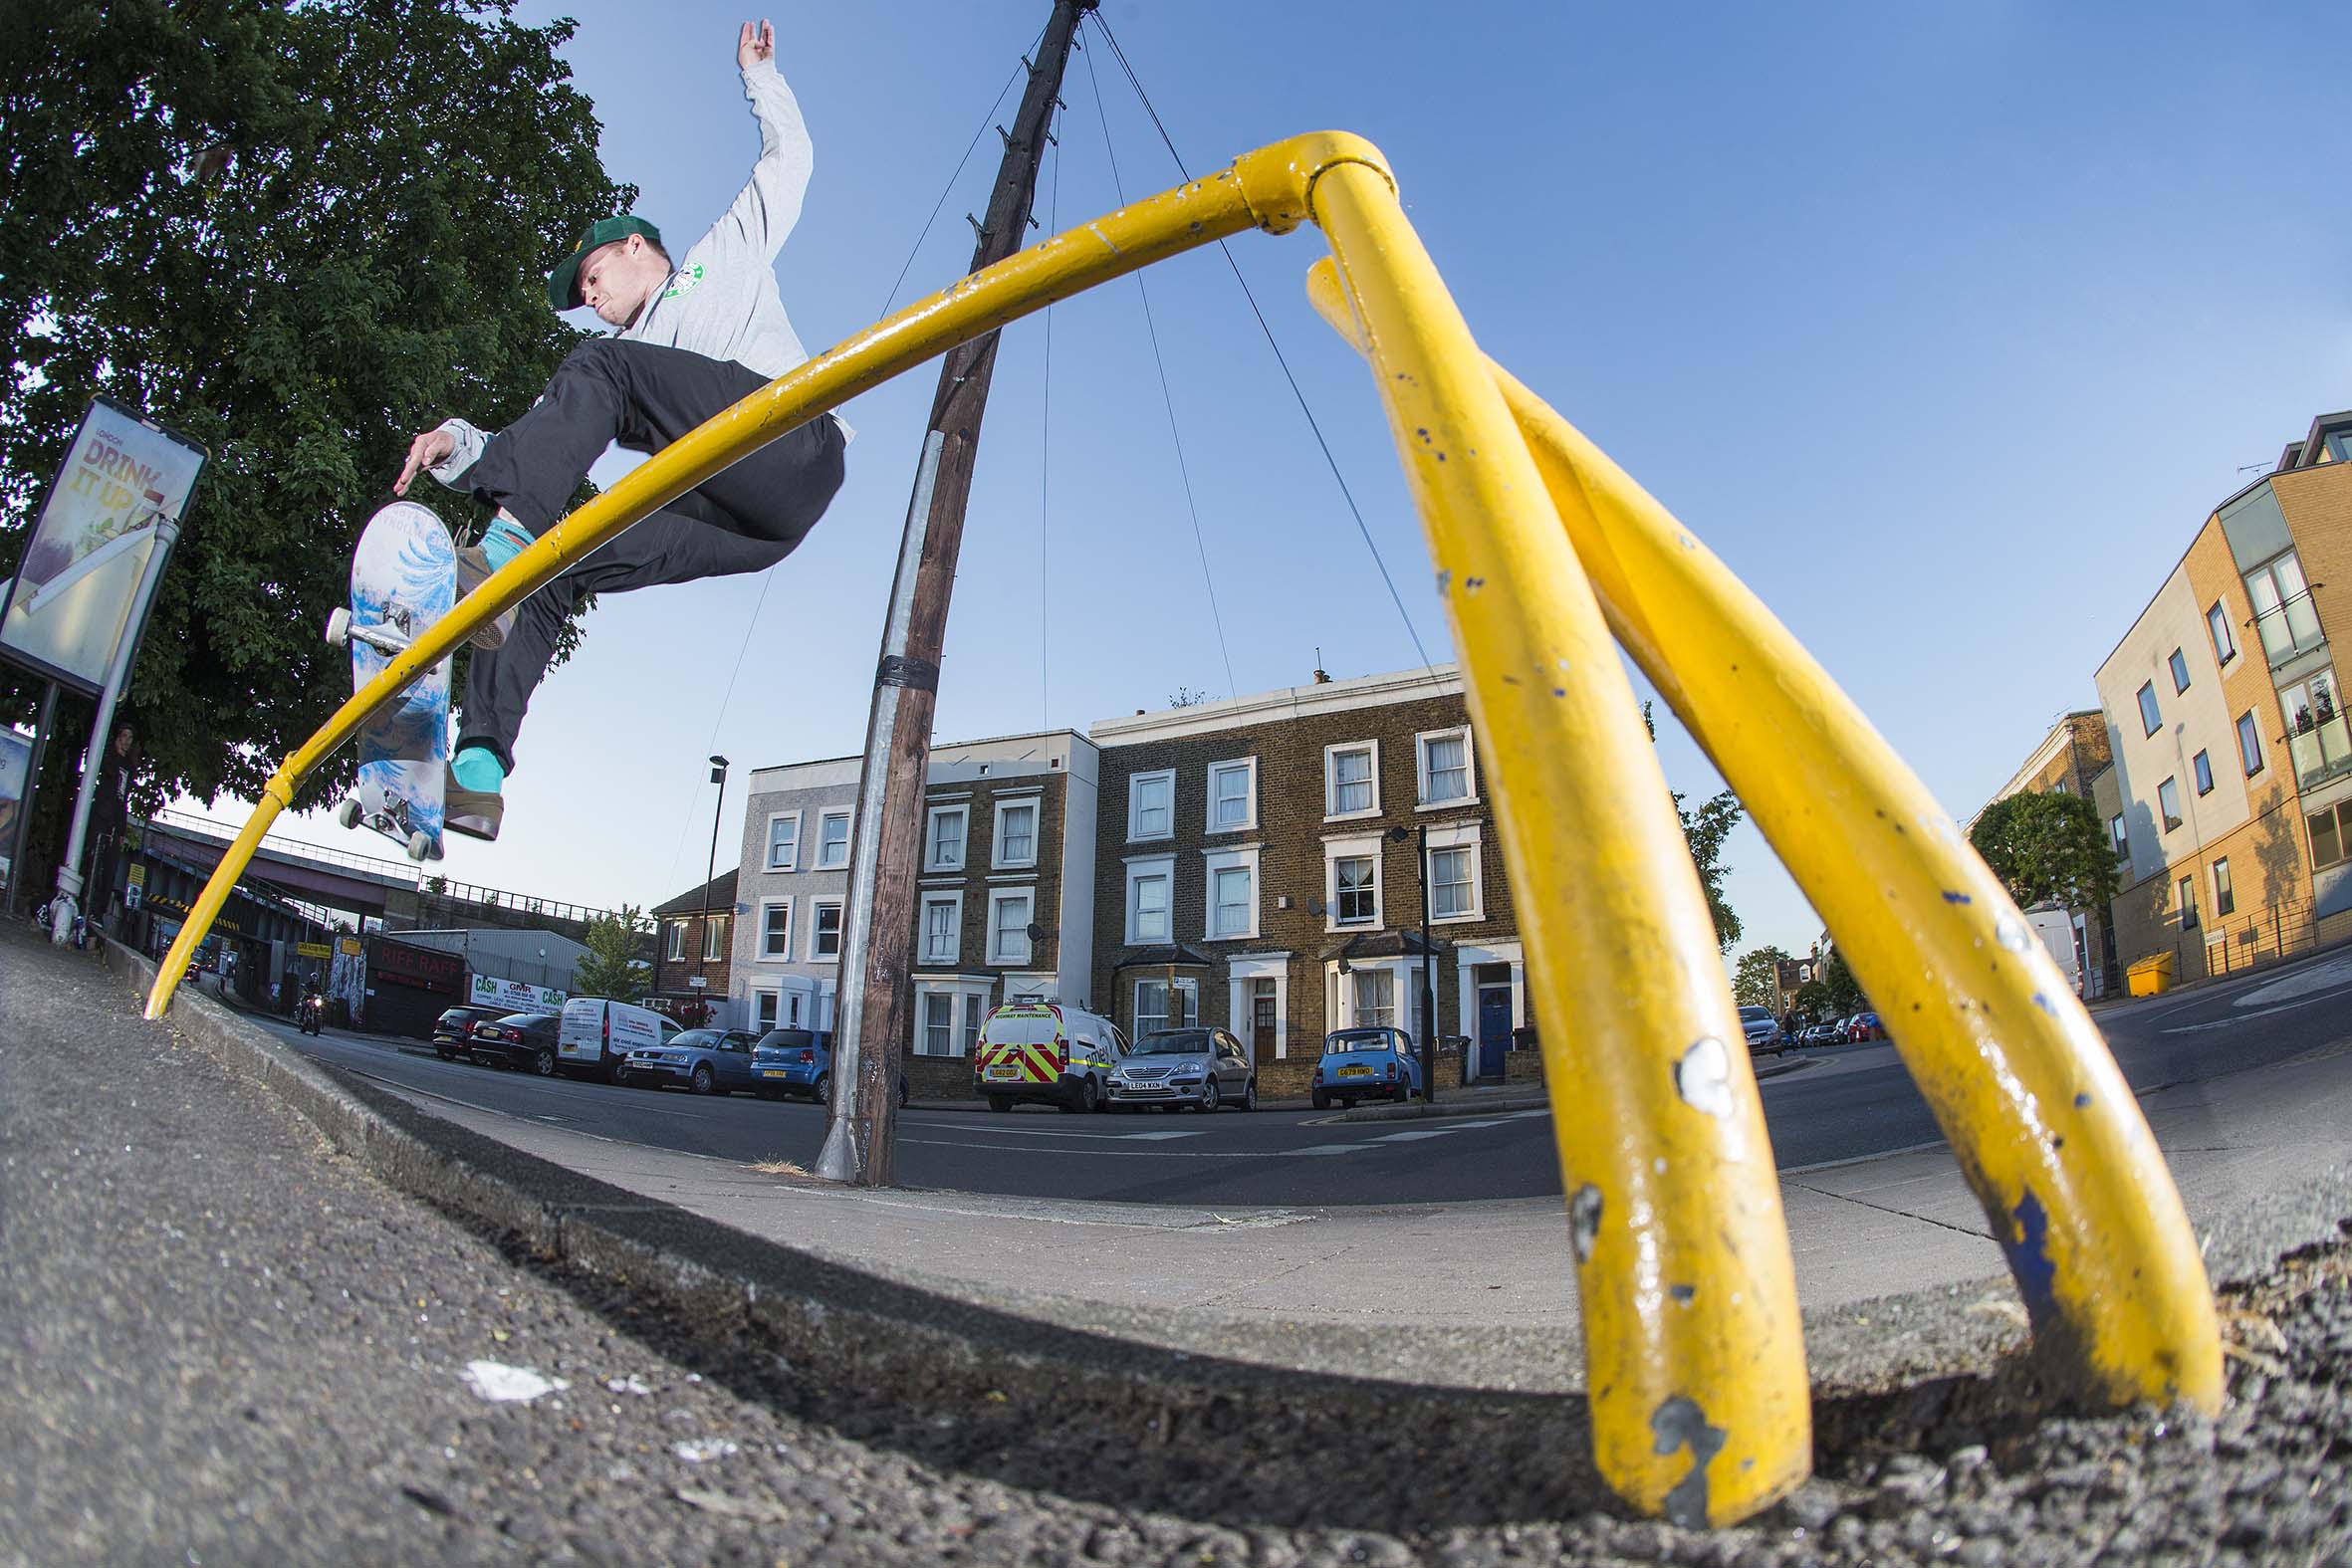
<point>1262,1022</point>
<point>1494,1029</point>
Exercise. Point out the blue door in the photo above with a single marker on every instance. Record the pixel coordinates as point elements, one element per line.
<point>1494,1029</point>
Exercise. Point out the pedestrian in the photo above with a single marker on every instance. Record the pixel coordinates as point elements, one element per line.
<point>693,336</point>
<point>110,816</point>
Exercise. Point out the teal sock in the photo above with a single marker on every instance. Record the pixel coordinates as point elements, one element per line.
<point>478,769</point>
<point>504,541</point>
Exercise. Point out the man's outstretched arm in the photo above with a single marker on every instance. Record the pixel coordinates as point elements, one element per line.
<point>770,204</point>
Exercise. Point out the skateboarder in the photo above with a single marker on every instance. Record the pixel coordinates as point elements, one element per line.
<point>695,334</point>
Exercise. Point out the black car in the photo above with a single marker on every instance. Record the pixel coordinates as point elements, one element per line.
<point>453,1031</point>
<point>518,1040</point>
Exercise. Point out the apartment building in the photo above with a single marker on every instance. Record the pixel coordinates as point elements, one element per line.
<point>2231,798</point>
<point>2073,758</point>
<point>1260,866</point>
<point>693,950</point>
<point>1005,891</point>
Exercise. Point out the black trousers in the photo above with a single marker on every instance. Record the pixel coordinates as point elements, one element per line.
<point>642,396</point>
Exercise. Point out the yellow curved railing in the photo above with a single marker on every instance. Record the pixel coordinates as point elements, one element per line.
<point>1544,549</point>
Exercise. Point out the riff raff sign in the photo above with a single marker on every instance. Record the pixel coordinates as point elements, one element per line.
<point>75,597</point>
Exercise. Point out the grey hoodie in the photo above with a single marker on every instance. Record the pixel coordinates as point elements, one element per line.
<point>721,301</point>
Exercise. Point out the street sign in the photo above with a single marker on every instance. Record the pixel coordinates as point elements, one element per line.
<point>696,980</point>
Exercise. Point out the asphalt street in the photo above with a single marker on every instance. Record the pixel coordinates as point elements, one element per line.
<point>1847,1103</point>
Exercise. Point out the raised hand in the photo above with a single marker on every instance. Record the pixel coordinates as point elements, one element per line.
<point>756,43</point>
<point>434,446</point>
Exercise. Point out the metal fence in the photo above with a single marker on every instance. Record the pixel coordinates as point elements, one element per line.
<point>2234,944</point>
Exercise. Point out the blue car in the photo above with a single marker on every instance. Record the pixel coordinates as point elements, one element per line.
<point>708,1061</point>
<point>1372,1063</point>
<point>800,1062</point>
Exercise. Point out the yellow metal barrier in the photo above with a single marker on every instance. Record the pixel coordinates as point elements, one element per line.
<point>1695,1359</point>
<point>2045,1129</point>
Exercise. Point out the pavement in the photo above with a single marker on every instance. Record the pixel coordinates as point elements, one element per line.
<point>243,1295</point>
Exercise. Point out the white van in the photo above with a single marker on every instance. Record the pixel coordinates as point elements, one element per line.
<point>1043,1050</point>
<point>597,1034</point>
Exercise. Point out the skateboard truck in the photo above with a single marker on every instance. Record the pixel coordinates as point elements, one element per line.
<point>340,633</point>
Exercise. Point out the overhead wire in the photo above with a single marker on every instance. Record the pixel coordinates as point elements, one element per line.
<point>1103,27</point>
<point>1183,471</point>
<point>1046,455</point>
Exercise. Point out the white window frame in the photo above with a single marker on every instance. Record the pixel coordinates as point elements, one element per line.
<point>784,954</point>
<point>1338,849</point>
<point>1184,985</point>
<point>954,901</point>
<point>1466,836</point>
<point>791,861</point>
<point>968,1004</point>
<point>924,1025</point>
<point>1421,769</point>
<point>1247,768</point>
<point>675,945</point>
<point>1331,755</point>
<point>1135,784</point>
<point>767,1008</point>
<point>1242,858</point>
<point>931,820</point>
<point>1139,868</point>
<point>717,924</point>
<point>847,819</point>
<point>817,907</point>
<point>1034,805</point>
<point>998,898</point>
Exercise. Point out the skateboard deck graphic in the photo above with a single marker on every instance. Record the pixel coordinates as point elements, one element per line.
<point>404,579</point>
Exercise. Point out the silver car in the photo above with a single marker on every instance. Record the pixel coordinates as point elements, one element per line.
<point>1200,1067</point>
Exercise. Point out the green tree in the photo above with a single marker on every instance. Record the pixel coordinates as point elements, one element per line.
<point>2048,847</point>
<point>298,234</point>
<point>1812,1002</point>
<point>1704,830</point>
<point>1839,989</point>
<point>611,967</point>
<point>1757,982</point>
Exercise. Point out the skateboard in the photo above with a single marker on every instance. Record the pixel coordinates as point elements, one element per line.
<point>404,579</point>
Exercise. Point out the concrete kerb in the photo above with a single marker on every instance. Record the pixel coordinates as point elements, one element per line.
<point>859,1336</point>
<point>1503,1102</point>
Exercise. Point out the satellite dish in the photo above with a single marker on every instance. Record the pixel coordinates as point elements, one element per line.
<point>1037,932</point>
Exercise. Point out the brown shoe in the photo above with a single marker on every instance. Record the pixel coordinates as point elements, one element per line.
<point>473,567</point>
<point>473,812</point>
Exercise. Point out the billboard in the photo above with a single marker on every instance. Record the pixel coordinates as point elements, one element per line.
<point>512,994</point>
<point>16,761</point>
<point>76,598</point>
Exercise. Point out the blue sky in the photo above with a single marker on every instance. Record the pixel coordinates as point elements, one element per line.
<point>1944,326</point>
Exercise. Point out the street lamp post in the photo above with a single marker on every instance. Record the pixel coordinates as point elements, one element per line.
<point>1419,833</point>
<point>710,872</point>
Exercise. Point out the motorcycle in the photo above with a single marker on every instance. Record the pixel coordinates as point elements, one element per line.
<point>311,1015</point>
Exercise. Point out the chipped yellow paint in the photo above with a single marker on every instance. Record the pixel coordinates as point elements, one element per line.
<point>2044,1128</point>
<point>1695,1359</point>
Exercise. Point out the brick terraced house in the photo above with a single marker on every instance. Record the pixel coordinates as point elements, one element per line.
<point>693,937</point>
<point>1254,868</point>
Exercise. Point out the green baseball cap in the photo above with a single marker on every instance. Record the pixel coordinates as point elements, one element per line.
<point>563,285</point>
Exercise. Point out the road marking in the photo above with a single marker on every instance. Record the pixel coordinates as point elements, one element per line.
<point>1418,1132</point>
<point>1153,1154</point>
<point>1057,1132</point>
<point>2259,1013</point>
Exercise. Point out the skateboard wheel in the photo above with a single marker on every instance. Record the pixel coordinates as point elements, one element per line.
<point>348,813</point>
<point>420,846</point>
<point>339,633</point>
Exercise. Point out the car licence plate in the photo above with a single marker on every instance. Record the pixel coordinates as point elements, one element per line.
<point>1355,1072</point>
<point>1001,1073</point>
<point>773,1072</point>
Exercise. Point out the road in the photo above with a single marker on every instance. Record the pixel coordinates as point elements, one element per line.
<point>1846,1103</point>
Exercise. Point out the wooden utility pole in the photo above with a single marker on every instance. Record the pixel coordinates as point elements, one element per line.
<point>875,1010</point>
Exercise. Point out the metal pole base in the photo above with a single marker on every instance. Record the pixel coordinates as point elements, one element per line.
<point>840,1160</point>
<point>64,906</point>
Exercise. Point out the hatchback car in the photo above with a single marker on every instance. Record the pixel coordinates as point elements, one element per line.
<point>800,1062</point>
<point>1374,1062</point>
<point>1203,1068</point>
<point>453,1031</point>
<point>520,1039</point>
<point>1865,1027</point>
<point>1762,1029</point>
<point>708,1061</point>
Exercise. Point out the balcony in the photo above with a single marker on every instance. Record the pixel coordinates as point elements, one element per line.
<point>2321,750</point>
<point>2289,630</point>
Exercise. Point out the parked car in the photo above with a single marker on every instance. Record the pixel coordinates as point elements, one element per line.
<point>1762,1029</point>
<point>1206,1070</point>
<point>1373,1063</point>
<point>1865,1027</point>
<point>597,1035</point>
<point>518,1040</point>
<point>453,1031</point>
<point>1049,1052</point>
<point>708,1061</point>
<point>800,1062</point>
